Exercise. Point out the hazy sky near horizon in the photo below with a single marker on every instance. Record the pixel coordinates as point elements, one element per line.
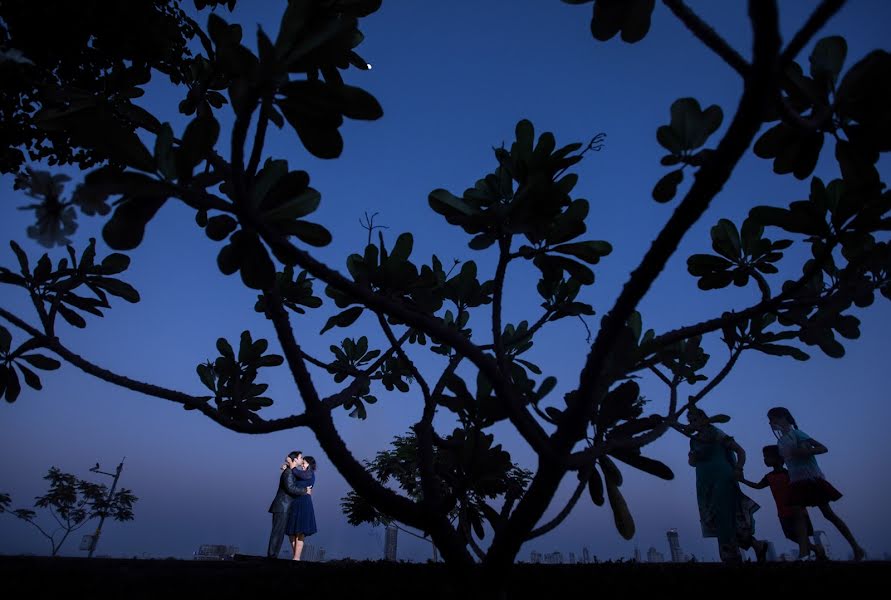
<point>453,79</point>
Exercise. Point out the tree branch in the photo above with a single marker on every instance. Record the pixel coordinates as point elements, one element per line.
<point>497,298</point>
<point>762,283</point>
<point>431,497</point>
<point>734,355</point>
<point>660,375</point>
<point>815,22</point>
<point>527,426</point>
<point>708,36</point>
<point>550,526</point>
<point>709,181</point>
<point>259,138</point>
<point>529,332</point>
<point>198,403</point>
<point>771,305</point>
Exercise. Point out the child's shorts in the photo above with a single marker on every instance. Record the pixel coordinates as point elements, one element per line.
<point>788,525</point>
<point>812,492</point>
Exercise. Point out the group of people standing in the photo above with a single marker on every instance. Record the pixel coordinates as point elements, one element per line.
<point>725,513</point>
<point>795,481</point>
<point>292,511</point>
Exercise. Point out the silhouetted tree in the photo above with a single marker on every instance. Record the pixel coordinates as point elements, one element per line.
<point>72,503</point>
<point>523,210</point>
<point>470,473</point>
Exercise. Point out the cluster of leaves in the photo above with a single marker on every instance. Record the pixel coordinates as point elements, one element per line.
<point>630,17</point>
<point>349,358</point>
<point>10,386</point>
<point>392,274</point>
<point>753,334</point>
<point>835,215</point>
<point>233,379</point>
<point>854,105</point>
<point>56,288</point>
<point>87,57</point>
<point>740,253</point>
<point>470,470</point>
<point>689,129</point>
<point>295,293</point>
<point>539,207</point>
<point>314,38</point>
<point>56,292</point>
<point>56,217</point>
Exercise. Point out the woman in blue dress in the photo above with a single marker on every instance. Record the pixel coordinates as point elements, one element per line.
<point>302,516</point>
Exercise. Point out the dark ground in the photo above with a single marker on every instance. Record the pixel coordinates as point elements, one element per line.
<point>42,577</point>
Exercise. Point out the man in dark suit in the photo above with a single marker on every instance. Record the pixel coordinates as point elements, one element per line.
<point>288,489</point>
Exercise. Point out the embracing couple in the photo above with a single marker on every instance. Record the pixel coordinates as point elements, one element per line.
<point>292,511</point>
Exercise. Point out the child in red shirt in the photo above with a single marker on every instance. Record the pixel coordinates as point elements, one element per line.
<point>778,482</point>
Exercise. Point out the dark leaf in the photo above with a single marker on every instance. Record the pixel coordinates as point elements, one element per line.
<point>30,377</point>
<point>827,59</point>
<point>126,228</point>
<point>198,142</point>
<point>13,387</point>
<point>590,252</point>
<point>42,362</point>
<point>310,233</point>
<point>219,227</point>
<point>647,465</point>
<point>344,319</point>
<point>667,187</point>
<point>621,514</point>
<point>595,488</point>
<point>72,317</point>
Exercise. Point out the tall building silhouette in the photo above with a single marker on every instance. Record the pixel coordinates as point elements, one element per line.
<point>586,555</point>
<point>636,553</point>
<point>654,556</point>
<point>674,544</point>
<point>822,539</point>
<point>572,558</point>
<point>771,552</point>
<point>554,558</point>
<point>390,544</point>
<point>535,557</point>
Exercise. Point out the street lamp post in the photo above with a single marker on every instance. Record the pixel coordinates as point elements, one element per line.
<point>116,475</point>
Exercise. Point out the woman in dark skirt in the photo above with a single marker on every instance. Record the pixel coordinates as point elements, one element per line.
<point>807,485</point>
<point>302,516</point>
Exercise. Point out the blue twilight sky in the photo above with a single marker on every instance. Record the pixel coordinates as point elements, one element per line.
<point>453,78</point>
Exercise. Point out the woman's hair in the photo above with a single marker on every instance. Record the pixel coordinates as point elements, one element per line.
<point>783,413</point>
<point>311,461</point>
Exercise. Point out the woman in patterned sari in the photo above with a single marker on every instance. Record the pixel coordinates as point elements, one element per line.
<point>724,511</point>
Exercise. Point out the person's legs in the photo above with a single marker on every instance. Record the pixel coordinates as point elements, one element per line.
<point>277,536</point>
<point>298,546</point>
<point>801,533</point>
<point>723,503</point>
<point>842,529</point>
